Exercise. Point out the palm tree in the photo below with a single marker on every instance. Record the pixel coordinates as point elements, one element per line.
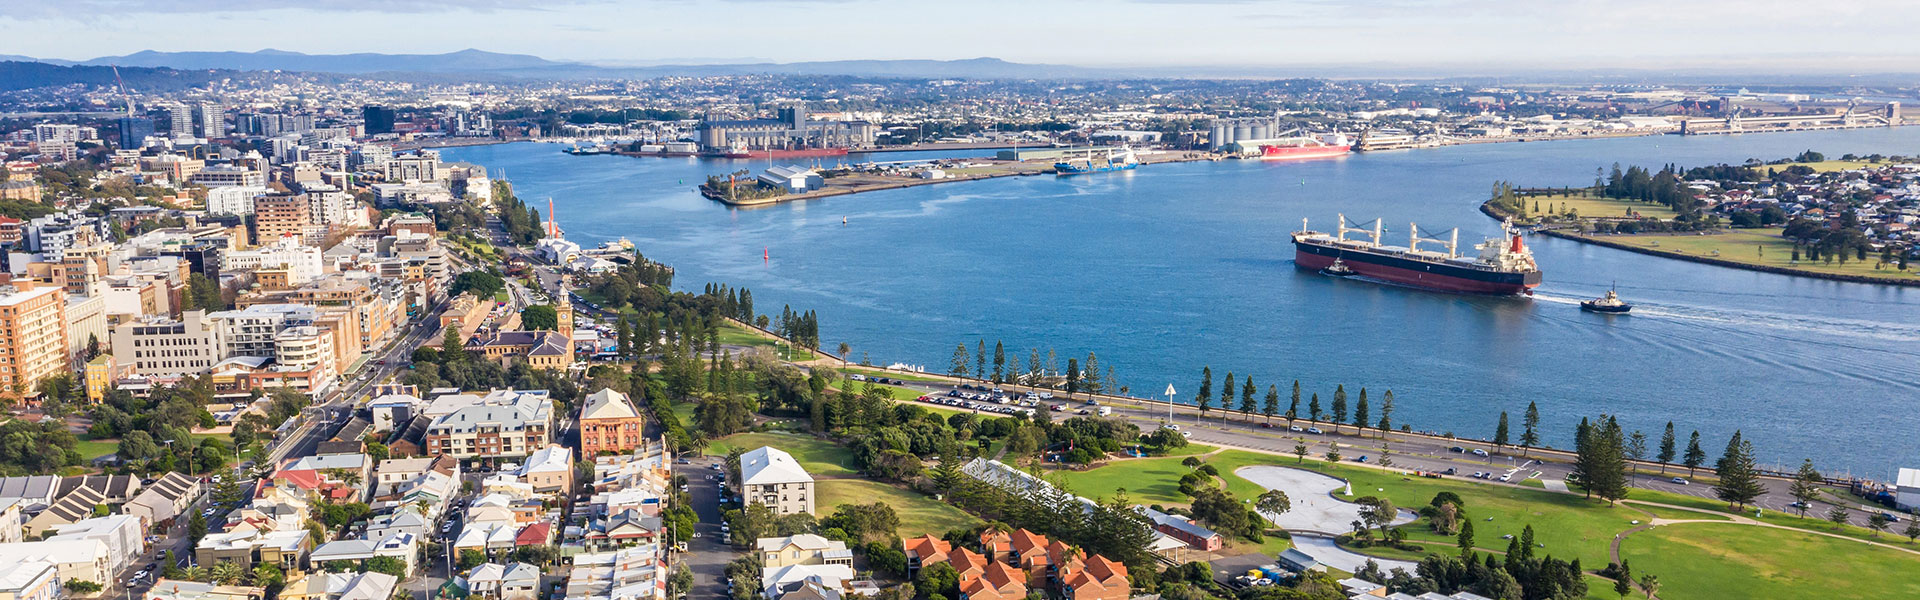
<point>194,573</point>
<point>226,573</point>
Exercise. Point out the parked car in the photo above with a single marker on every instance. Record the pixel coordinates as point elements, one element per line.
<point>1457,450</point>
<point>1314,430</point>
<point>1506,477</point>
<point>1679,480</point>
<point>1295,428</point>
<point>1266,426</point>
<point>1480,453</point>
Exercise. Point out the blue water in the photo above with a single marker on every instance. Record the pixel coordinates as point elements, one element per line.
<point>1166,269</point>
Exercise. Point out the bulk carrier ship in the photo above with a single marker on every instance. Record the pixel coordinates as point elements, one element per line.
<point>1505,266</point>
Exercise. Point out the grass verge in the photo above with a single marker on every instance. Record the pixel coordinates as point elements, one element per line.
<point>919,514</point>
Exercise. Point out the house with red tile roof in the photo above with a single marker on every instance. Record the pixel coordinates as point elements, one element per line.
<point>999,582</point>
<point>925,550</point>
<point>1096,578</point>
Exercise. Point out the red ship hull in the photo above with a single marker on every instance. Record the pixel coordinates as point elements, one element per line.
<point>1298,152</point>
<point>1414,277</point>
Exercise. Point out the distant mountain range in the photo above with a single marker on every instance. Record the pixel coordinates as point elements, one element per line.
<point>473,64</point>
<point>480,62</point>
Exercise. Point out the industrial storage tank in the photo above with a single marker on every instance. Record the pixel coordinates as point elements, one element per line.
<point>1242,132</point>
<point>1219,138</point>
<point>1260,132</point>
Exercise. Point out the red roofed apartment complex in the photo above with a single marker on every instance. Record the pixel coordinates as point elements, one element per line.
<point>1019,560</point>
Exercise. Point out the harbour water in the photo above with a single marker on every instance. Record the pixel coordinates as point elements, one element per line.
<point>1166,269</point>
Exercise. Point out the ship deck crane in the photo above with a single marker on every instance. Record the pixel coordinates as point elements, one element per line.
<point>1342,232</point>
<point>1452,243</point>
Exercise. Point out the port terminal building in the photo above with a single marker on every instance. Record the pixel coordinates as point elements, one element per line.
<point>791,129</point>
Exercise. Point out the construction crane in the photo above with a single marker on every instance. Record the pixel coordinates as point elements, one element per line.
<point>122,84</point>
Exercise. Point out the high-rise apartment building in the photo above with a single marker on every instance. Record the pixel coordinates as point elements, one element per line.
<point>33,335</point>
<point>212,119</point>
<point>275,217</point>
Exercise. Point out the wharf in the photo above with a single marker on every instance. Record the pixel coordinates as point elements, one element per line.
<point>866,182</point>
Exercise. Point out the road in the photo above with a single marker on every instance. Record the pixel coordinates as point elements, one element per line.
<point>1408,450</point>
<point>708,554</point>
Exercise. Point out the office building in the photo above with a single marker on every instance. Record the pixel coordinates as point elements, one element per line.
<point>134,131</point>
<point>379,119</point>
<point>158,347</point>
<point>211,119</point>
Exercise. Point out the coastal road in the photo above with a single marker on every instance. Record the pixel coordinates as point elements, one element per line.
<point>1408,450</point>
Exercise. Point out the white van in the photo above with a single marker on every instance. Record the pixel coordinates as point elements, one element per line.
<point>1106,410</point>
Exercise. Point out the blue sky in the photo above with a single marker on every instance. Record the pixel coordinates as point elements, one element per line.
<point>1759,35</point>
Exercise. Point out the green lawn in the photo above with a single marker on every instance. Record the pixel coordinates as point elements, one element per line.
<point>1812,521</point>
<point>1757,247</point>
<point>1596,207</point>
<point>1705,560</point>
<point>919,515</point>
<point>1823,166</point>
<point>817,456</point>
<point>736,335</point>
<point>92,449</point>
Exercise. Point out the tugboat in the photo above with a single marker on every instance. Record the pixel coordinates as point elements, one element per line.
<point>1609,304</point>
<point>1337,269</point>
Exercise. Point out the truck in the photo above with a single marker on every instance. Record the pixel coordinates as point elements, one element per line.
<point>1106,410</point>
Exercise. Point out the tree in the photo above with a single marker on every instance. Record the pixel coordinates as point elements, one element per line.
<point>1333,452</point>
<point>1912,531</point>
<point>1500,432</point>
<point>959,366</point>
<point>1878,522</point>
<point>81,587</point>
<point>1273,503</point>
<point>470,558</point>
<point>196,528</point>
<point>1838,515</point>
<point>1293,408</point>
<point>1636,448</point>
<point>1805,488</point>
<point>1600,461</point>
<point>1339,406</point>
<point>999,362</point>
<point>1377,512</point>
<point>226,573</point>
<point>1623,580</point>
<point>1361,414</point>
<point>980,359</point>
<point>1272,406</point>
<point>1247,404</point>
<point>1666,448</point>
<point>1530,428</point>
<point>1313,408</point>
<point>1465,540</point>
<point>539,317</point>
<point>1300,453</point>
<point>1203,398</point>
<point>1650,584</point>
<point>1386,413</point>
<point>1226,395</point>
<point>1695,456</point>
<point>1739,480</point>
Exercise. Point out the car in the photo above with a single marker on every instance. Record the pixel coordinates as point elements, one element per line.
<point>1295,428</point>
<point>1457,450</point>
<point>1891,518</point>
<point>1314,430</point>
<point>1173,426</point>
<point>857,377</point>
<point>1506,477</point>
<point>1450,471</point>
<point>1480,453</point>
<point>1057,407</point>
<point>1092,402</point>
<point>1266,426</point>
<point>1186,434</point>
<point>1083,412</point>
<point>1799,504</point>
<point>1679,480</point>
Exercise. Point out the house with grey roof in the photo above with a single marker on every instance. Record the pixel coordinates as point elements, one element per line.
<point>771,477</point>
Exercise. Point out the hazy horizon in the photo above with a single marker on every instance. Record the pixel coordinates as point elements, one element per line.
<point>1765,35</point>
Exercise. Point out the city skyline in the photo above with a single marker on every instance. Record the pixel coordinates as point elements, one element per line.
<point>1453,35</point>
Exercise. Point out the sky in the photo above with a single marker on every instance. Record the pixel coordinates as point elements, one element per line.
<point>1787,35</point>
